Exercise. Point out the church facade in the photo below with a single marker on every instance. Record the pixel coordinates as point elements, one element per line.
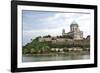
<point>74,33</point>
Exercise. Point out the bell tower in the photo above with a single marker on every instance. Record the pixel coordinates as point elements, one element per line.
<point>63,32</point>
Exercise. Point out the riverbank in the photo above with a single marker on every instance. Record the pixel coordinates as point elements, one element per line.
<point>55,56</point>
<point>58,53</point>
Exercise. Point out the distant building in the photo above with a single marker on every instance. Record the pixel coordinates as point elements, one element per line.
<point>74,33</point>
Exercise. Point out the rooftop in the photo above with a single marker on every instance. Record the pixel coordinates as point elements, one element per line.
<point>74,24</point>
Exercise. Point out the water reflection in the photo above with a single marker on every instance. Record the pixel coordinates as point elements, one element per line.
<point>56,57</point>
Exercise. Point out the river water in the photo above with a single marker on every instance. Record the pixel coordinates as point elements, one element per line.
<point>38,58</point>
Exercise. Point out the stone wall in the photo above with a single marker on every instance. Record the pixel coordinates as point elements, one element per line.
<point>64,41</point>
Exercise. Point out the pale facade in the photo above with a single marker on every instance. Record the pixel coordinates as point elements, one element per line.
<point>74,33</point>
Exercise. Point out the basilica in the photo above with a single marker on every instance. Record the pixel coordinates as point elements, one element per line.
<point>74,33</point>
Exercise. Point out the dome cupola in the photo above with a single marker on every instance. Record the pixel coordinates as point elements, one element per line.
<point>73,26</point>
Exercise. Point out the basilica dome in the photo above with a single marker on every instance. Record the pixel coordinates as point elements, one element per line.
<point>74,24</point>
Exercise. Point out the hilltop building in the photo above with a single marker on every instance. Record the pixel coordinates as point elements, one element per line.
<point>74,33</point>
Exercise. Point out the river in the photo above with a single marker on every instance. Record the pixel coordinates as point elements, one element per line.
<point>57,57</point>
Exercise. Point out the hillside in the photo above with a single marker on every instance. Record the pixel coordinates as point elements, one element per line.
<point>35,46</point>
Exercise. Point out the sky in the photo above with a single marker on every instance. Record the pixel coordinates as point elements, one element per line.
<point>41,23</point>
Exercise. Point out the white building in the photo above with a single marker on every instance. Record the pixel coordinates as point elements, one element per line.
<point>74,33</point>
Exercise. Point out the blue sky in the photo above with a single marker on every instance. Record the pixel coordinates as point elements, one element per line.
<point>41,23</point>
